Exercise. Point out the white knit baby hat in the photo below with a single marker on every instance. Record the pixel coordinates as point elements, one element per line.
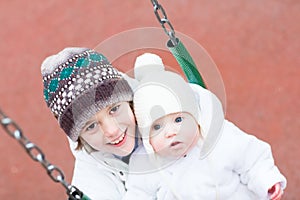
<point>159,93</point>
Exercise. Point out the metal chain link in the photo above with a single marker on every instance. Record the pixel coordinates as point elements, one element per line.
<point>164,21</point>
<point>55,173</point>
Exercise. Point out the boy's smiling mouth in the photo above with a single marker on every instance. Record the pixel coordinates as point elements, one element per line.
<point>120,140</point>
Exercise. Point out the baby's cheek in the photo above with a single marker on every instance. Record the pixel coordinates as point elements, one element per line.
<point>156,143</point>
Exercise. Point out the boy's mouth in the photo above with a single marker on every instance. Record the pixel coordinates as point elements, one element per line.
<point>120,140</point>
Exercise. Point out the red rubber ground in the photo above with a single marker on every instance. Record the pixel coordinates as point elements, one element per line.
<point>255,44</point>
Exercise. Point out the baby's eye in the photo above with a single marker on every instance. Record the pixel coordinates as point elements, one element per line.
<point>178,119</point>
<point>114,109</point>
<point>156,127</point>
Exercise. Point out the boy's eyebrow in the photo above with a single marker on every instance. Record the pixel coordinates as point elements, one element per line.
<point>89,121</point>
<point>94,118</point>
<point>112,105</point>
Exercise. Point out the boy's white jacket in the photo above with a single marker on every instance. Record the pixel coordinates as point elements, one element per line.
<point>100,176</point>
<point>233,164</point>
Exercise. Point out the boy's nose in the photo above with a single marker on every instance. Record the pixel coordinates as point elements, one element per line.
<point>110,128</point>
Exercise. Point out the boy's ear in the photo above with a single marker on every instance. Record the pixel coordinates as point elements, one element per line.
<point>86,146</point>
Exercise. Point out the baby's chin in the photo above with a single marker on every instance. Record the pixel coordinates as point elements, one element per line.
<point>171,156</point>
<point>173,153</point>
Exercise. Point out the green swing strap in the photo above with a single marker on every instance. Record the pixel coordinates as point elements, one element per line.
<point>176,47</point>
<point>186,62</point>
<point>76,194</point>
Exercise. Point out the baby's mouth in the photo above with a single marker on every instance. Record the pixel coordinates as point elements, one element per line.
<point>173,144</point>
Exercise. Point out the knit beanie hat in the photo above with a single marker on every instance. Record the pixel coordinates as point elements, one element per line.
<point>159,93</point>
<point>78,83</point>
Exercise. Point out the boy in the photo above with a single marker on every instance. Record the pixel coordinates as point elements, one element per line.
<point>91,101</point>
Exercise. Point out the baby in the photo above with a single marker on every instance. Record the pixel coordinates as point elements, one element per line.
<point>189,150</point>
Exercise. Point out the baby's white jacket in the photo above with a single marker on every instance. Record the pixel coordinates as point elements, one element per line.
<point>236,166</point>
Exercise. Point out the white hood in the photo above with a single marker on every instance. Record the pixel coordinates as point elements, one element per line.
<point>211,118</point>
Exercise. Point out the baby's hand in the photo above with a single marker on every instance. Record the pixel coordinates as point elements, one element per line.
<point>275,192</point>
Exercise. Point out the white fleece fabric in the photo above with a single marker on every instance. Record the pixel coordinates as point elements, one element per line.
<point>237,166</point>
<point>99,178</point>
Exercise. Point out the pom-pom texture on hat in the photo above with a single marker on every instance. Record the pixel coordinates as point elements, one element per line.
<point>159,93</point>
<point>147,63</point>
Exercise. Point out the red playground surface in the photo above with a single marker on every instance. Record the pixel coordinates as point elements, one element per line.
<point>255,45</point>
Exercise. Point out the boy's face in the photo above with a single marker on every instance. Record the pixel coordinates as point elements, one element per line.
<point>174,135</point>
<point>111,130</point>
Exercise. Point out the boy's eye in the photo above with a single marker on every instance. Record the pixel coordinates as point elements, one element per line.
<point>156,127</point>
<point>91,127</point>
<point>114,109</point>
<point>178,119</point>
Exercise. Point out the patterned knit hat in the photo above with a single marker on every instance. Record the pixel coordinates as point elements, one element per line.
<point>159,93</point>
<point>78,83</point>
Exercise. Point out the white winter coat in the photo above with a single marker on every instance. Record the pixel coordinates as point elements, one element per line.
<point>230,164</point>
<point>99,176</point>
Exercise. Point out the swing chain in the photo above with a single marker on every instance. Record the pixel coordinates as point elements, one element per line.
<point>164,20</point>
<point>37,154</point>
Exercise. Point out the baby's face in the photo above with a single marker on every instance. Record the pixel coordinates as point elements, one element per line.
<point>174,135</point>
<point>111,130</point>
